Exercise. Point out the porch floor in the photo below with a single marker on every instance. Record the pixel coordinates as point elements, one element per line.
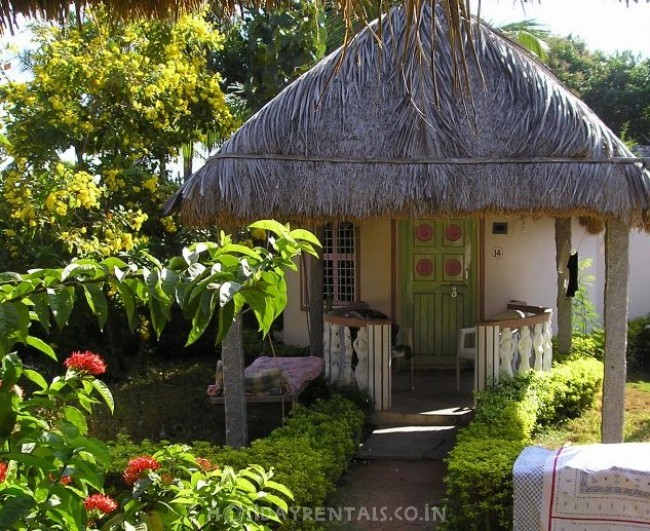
<point>434,393</point>
<point>422,423</point>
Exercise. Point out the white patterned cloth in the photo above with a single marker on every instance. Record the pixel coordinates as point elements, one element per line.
<point>595,487</point>
<point>528,478</point>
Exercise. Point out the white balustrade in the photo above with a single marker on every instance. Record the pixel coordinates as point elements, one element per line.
<point>525,349</point>
<point>362,370</point>
<point>335,359</point>
<point>327,353</point>
<point>347,375</point>
<point>372,346</point>
<point>507,347</point>
<point>547,345</point>
<point>514,345</point>
<point>538,349</point>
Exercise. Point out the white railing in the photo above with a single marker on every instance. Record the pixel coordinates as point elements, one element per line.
<point>505,347</point>
<point>372,347</point>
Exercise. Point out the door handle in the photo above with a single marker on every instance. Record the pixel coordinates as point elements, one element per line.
<point>454,293</point>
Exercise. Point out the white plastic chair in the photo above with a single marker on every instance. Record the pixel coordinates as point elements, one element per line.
<point>464,351</point>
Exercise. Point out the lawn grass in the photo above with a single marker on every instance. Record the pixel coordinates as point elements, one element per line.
<point>586,429</point>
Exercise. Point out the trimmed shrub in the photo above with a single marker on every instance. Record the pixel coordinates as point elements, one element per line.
<point>479,478</point>
<point>638,343</point>
<point>479,483</point>
<point>308,454</point>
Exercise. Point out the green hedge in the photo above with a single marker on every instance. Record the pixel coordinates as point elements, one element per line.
<point>308,454</point>
<point>479,475</point>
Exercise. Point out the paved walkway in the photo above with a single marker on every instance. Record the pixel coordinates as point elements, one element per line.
<point>397,479</point>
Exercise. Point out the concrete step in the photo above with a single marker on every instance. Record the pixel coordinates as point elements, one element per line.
<point>408,443</point>
<point>444,417</point>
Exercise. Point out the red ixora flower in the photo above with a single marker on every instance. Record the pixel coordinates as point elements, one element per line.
<point>3,471</point>
<point>86,361</point>
<point>137,466</point>
<point>101,502</point>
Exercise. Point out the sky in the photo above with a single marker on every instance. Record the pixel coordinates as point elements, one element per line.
<point>606,25</point>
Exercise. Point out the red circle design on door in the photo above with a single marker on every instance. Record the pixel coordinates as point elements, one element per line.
<point>454,232</point>
<point>424,232</point>
<point>424,267</point>
<point>453,267</point>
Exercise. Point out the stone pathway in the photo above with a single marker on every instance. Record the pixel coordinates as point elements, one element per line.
<point>397,480</point>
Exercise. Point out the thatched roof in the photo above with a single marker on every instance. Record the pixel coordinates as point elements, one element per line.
<point>386,133</point>
<point>12,10</point>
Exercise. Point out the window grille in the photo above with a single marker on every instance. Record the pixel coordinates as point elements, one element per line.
<point>339,271</point>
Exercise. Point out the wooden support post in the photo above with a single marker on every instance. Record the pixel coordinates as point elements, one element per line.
<point>234,392</point>
<point>564,309</point>
<point>617,242</point>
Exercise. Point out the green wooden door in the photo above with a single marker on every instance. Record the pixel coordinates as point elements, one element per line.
<point>439,268</point>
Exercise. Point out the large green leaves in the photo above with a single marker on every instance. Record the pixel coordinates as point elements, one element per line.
<point>208,278</point>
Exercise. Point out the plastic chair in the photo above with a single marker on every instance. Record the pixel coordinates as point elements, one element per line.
<point>464,351</point>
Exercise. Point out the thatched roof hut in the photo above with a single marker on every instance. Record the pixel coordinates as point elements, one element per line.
<point>386,131</point>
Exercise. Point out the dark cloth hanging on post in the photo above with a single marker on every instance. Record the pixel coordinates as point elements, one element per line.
<point>572,266</point>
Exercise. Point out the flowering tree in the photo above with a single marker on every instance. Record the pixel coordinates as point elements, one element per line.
<point>49,470</point>
<point>120,100</point>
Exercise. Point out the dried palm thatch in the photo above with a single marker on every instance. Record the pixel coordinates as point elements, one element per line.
<point>58,10</point>
<point>381,131</point>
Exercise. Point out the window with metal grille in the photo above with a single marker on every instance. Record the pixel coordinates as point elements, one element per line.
<point>339,261</point>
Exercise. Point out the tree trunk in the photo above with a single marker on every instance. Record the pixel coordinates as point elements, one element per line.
<point>316,298</point>
<point>564,307</point>
<point>617,243</point>
<point>232,356</point>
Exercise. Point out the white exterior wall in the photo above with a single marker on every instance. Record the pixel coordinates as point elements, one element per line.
<point>374,278</point>
<point>526,270</point>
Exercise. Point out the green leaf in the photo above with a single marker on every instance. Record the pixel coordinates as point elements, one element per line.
<point>79,268</point>
<point>279,487</point>
<point>12,370</point>
<point>36,378</point>
<point>227,291</point>
<point>14,510</point>
<point>87,473</point>
<point>112,262</point>
<point>42,310</point>
<point>10,277</point>
<point>97,302</point>
<point>41,345</point>
<point>305,235</point>
<point>263,306</point>
<point>169,280</point>
<point>128,300</point>
<point>76,417</point>
<point>105,393</point>
<point>226,317</point>
<point>275,500</point>
<point>14,324</point>
<point>95,447</point>
<point>159,314</point>
<point>203,316</point>
<point>270,225</point>
<point>61,302</point>
<point>30,460</point>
